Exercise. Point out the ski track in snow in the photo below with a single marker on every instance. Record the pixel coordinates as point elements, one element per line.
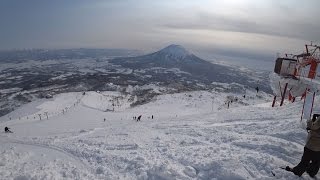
<point>243,142</point>
<point>73,164</point>
<point>49,147</point>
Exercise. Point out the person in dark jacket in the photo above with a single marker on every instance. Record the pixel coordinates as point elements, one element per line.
<point>310,161</point>
<point>139,118</point>
<point>7,130</point>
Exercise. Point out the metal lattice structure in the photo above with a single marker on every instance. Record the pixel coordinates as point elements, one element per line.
<point>296,72</point>
<point>310,58</point>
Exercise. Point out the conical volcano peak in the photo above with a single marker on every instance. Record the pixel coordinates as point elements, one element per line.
<point>175,50</point>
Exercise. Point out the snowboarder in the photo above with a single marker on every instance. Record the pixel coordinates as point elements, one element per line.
<point>257,89</point>
<point>139,118</point>
<point>104,119</point>
<point>7,130</point>
<point>310,161</point>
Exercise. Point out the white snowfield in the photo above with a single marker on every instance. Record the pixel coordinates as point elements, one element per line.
<point>191,136</point>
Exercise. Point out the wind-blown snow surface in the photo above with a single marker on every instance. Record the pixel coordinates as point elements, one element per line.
<point>192,136</point>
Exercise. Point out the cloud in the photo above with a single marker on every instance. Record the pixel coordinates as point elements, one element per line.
<point>285,28</point>
<point>256,29</point>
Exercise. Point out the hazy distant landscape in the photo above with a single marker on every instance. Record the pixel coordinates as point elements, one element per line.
<point>31,74</point>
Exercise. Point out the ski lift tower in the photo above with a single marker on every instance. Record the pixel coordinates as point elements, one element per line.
<point>297,77</point>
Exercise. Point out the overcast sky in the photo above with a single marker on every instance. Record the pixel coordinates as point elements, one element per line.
<point>235,29</point>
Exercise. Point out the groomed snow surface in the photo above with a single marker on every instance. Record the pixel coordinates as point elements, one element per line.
<point>192,136</point>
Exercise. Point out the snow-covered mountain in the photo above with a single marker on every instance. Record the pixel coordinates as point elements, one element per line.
<point>192,135</point>
<point>175,56</point>
<point>31,74</point>
<point>199,120</point>
<point>175,51</point>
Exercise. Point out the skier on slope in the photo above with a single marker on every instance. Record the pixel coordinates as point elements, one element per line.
<point>310,161</point>
<point>7,130</point>
<point>139,118</point>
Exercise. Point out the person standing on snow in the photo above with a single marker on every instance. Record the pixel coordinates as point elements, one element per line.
<point>139,118</point>
<point>310,161</point>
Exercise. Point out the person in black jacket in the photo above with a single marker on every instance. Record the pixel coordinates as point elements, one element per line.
<point>139,118</point>
<point>7,130</point>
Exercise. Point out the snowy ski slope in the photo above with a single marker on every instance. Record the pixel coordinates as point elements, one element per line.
<point>193,136</point>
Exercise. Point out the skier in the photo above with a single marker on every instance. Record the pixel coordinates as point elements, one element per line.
<point>139,118</point>
<point>257,89</point>
<point>7,130</point>
<point>310,161</point>
<point>152,117</point>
